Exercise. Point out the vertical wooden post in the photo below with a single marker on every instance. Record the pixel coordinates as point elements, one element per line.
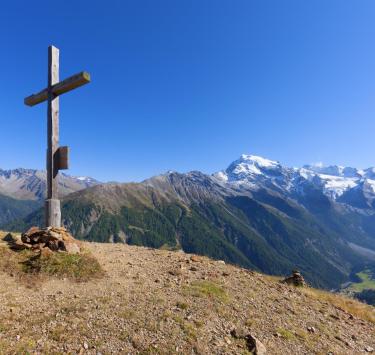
<point>57,157</point>
<point>53,211</point>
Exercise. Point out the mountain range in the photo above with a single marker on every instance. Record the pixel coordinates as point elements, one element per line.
<point>23,190</point>
<point>30,184</point>
<point>257,213</point>
<point>351,186</point>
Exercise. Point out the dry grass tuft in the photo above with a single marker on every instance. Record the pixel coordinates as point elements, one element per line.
<point>285,333</point>
<point>29,267</point>
<point>354,307</point>
<point>208,289</point>
<point>78,267</point>
<point>273,278</point>
<point>10,261</point>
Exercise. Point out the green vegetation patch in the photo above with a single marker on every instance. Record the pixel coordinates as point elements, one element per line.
<point>367,281</point>
<point>207,289</point>
<point>29,266</point>
<point>285,333</point>
<point>78,267</point>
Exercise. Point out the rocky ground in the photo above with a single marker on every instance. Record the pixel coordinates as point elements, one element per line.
<point>162,302</point>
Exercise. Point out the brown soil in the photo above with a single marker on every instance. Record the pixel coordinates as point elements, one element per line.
<point>162,302</point>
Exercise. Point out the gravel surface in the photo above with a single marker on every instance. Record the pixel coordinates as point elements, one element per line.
<point>162,302</point>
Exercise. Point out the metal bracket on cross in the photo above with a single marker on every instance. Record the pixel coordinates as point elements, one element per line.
<point>62,158</point>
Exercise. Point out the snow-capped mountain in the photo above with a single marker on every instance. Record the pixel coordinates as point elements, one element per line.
<point>30,184</point>
<point>254,171</point>
<point>341,184</point>
<point>257,213</point>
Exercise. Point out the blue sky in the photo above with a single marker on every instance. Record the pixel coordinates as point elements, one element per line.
<point>191,84</point>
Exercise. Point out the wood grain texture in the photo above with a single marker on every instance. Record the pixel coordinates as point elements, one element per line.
<point>60,88</point>
<point>52,137</point>
<point>52,213</point>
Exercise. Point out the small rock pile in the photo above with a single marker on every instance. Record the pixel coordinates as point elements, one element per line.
<point>253,344</point>
<point>296,279</point>
<point>45,240</point>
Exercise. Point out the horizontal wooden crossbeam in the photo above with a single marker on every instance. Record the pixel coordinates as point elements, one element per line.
<point>62,87</point>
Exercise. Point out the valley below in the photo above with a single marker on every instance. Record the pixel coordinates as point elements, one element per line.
<point>362,285</point>
<point>257,214</point>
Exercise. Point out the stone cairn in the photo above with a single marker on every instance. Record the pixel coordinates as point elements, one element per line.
<point>296,279</point>
<point>46,240</point>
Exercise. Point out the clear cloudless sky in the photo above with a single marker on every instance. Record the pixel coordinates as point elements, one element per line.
<point>191,84</point>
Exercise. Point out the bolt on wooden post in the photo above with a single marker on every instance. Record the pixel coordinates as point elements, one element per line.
<point>57,157</point>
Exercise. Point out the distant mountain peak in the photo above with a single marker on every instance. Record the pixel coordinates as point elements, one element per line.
<point>252,171</point>
<point>258,160</point>
<point>30,184</point>
<point>257,213</point>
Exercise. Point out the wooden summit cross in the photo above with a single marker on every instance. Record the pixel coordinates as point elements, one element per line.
<point>57,157</point>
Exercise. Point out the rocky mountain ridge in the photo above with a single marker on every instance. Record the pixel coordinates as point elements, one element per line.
<point>257,214</point>
<point>336,182</point>
<point>30,184</point>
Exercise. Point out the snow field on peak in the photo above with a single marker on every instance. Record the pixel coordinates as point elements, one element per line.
<point>260,161</point>
<point>252,171</point>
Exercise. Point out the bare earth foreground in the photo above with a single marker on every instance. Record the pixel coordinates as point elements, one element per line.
<point>162,302</point>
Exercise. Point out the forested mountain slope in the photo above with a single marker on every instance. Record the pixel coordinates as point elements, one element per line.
<point>259,229</point>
